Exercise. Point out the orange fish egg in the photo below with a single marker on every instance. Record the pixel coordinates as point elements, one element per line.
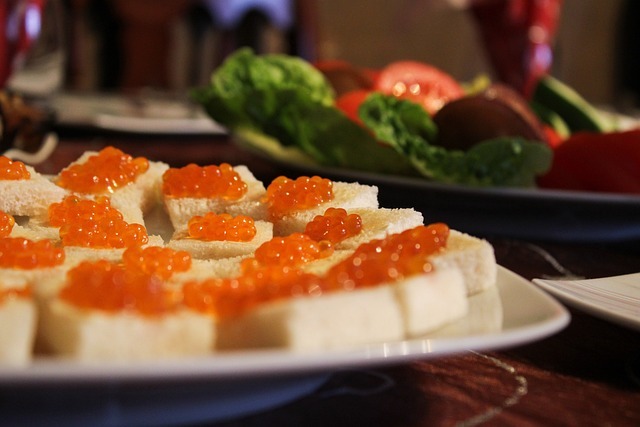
<point>6,224</point>
<point>222,227</point>
<point>109,287</point>
<point>335,226</point>
<point>163,262</point>
<point>104,172</point>
<point>11,170</point>
<point>390,259</point>
<point>285,195</point>
<point>233,296</point>
<point>204,181</point>
<point>26,254</point>
<point>291,250</point>
<point>94,224</point>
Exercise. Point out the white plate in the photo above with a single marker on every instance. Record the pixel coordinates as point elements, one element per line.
<point>231,384</point>
<point>616,299</point>
<point>514,313</point>
<point>144,113</point>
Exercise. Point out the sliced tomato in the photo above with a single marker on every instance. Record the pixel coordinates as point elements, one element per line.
<point>349,103</point>
<point>419,82</point>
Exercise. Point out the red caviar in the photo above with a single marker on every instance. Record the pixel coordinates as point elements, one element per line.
<point>109,287</point>
<point>94,224</point>
<point>204,181</point>
<point>157,260</point>
<point>18,252</point>
<point>285,195</point>
<point>381,261</point>
<point>13,170</point>
<point>292,250</point>
<point>222,227</point>
<point>104,172</point>
<point>10,293</point>
<point>6,224</point>
<point>73,208</point>
<point>390,259</point>
<point>231,297</point>
<point>335,226</point>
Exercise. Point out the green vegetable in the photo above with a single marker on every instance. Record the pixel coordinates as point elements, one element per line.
<point>497,162</point>
<point>578,114</point>
<point>288,99</point>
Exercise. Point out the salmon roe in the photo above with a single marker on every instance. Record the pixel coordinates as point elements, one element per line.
<point>73,208</point>
<point>25,254</point>
<point>6,224</point>
<point>109,287</point>
<point>11,170</point>
<point>163,262</point>
<point>335,226</point>
<point>10,293</point>
<point>104,172</point>
<point>381,261</point>
<point>222,227</point>
<point>231,297</point>
<point>94,224</point>
<point>390,259</point>
<point>292,250</point>
<point>285,195</point>
<point>204,181</point>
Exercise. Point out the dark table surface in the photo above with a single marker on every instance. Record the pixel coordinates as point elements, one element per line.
<point>588,374</point>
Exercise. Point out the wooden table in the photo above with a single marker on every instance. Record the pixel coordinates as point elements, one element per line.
<point>586,375</point>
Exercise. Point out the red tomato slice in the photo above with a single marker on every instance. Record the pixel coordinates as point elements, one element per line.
<point>419,82</point>
<point>350,102</point>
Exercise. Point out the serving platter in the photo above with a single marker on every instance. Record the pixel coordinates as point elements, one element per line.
<point>234,383</point>
<point>530,213</point>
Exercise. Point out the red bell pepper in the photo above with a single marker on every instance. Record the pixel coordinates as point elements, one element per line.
<point>601,162</point>
<point>518,37</point>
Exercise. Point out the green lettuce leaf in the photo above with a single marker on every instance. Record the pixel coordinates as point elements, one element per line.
<point>496,162</point>
<point>288,99</point>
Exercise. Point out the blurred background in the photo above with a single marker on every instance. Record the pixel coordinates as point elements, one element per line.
<point>171,45</point>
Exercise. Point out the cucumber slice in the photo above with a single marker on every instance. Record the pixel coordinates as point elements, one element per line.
<point>578,114</point>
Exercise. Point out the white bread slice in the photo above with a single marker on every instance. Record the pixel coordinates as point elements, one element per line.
<point>201,249</point>
<point>391,311</point>
<point>202,269</point>
<point>485,316</point>
<point>29,197</point>
<point>18,320</point>
<point>92,335</point>
<point>182,209</point>
<point>430,301</point>
<point>322,265</point>
<point>45,282</point>
<point>76,254</point>
<point>473,256</point>
<point>379,223</point>
<point>345,195</point>
<point>334,320</point>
